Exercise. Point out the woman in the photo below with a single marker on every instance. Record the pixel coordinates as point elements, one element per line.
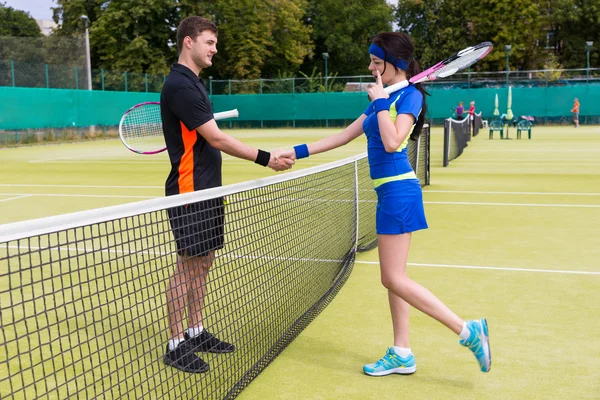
<point>387,123</point>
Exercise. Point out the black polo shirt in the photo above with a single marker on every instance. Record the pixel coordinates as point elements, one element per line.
<point>184,106</point>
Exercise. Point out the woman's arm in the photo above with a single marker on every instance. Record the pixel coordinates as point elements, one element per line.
<point>351,132</point>
<point>393,134</point>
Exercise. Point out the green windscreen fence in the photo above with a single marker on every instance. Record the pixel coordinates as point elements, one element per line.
<point>33,108</point>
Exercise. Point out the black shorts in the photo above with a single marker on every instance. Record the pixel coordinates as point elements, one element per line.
<point>199,227</point>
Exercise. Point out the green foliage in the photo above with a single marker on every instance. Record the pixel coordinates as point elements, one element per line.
<point>259,37</point>
<point>267,38</point>
<point>576,22</point>
<point>440,28</point>
<point>17,23</point>
<point>316,82</point>
<point>552,69</point>
<point>344,30</point>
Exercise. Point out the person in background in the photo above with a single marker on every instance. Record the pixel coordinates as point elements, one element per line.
<point>575,111</point>
<point>460,109</point>
<point>472,114</point>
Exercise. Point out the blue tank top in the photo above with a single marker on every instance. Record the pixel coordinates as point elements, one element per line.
<point>384,166</point>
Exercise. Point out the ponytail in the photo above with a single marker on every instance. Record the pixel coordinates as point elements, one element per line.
<point>412,70</point>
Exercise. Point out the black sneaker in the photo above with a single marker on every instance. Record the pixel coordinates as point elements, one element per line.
<point>206,341</point>
<point>183,358</point>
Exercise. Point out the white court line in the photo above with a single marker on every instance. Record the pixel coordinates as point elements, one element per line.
<point>13,198</point>
<point>77,195</point>
<point>78,186</point>
<point>512,204</point>
<point>582,150</point>
<point>72,157</point>
<point>516,193</point>
<point>476,267</point>
<point>513,163</point>
<point>483,267</point>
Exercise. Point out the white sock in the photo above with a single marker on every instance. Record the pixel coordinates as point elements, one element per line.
<point>465,333</point>
<point>403,352</point>
<point>173,343</point>
<point>195,331</point>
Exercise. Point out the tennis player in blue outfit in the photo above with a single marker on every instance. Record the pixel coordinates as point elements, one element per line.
<point>387,123</point>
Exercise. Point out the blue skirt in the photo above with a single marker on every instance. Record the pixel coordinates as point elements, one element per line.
<point>400,207</point>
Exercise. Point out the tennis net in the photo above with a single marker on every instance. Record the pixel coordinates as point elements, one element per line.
<point>457,134</point>
<point>477,123</point>
<point>83,295</point>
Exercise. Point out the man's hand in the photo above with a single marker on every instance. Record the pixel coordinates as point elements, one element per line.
<point>279,162</point>
<point>291,154</point>
<point>377,91</point>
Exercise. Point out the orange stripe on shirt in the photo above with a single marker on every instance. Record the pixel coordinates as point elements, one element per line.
<point>186,164</point>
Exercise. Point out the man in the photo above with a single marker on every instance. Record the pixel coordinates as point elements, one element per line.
<point>194,143</point>
<point>575,111</point>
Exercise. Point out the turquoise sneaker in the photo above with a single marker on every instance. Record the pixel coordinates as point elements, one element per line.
<point>479,343</point>
<point>392,363</point>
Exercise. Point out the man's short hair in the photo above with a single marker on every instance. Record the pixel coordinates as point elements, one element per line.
<point>193,26</point>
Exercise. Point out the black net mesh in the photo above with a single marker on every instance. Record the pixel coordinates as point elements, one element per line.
<point>83,296</point>
<point>457,135</point>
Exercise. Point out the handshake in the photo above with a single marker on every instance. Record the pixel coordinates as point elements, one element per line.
<point>282,160</point>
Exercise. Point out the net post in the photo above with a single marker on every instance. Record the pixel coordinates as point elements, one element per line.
<point>356,203</point>
<point>447,127</point>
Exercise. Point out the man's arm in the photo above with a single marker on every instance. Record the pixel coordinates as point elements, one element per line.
<point>230,145</point>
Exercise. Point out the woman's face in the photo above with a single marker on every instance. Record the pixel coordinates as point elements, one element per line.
<point>377,64</point>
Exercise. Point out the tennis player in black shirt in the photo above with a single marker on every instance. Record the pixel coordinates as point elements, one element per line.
<point>194,143</point>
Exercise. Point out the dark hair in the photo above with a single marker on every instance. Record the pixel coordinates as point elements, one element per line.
<point>192,27</point>
<point>400,45</point>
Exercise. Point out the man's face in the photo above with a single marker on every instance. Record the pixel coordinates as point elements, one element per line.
<point>203,49</point>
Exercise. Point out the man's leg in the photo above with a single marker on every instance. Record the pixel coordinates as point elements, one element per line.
<point>179,354</point>
<point>201,339</point>
<point>196,288</point>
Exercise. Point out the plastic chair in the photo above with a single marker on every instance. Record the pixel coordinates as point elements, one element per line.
<point>524,126</point>
<point>496,125</point>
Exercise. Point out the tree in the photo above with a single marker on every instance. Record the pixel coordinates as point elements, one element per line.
<point>574,22</point>
<point>440,28</point>
<point>344,30</point>
<point>136,36</point>
<point>259,37</point>
<point>17,23</point>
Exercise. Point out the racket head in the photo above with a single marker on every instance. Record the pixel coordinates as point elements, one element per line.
<point>457,62</point>
<point>140,129</point>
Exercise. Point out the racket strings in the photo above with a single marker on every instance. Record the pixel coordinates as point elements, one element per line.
<point>462,62</point>
<point>141,129</point>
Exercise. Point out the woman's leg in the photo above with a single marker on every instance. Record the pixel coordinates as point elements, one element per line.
<point>393,255</point>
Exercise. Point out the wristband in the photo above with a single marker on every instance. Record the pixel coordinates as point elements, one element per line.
<point>301,151</point>
<point>380,105</point>
<point>263,158</point>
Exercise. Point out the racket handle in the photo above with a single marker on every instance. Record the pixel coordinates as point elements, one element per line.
<point>396,86</point>
<point>226,114</point>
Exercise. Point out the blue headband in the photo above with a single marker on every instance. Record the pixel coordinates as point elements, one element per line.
<point>380,53</point>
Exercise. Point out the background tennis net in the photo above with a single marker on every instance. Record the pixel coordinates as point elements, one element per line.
<point>457,134</point>
<point>83,295</point>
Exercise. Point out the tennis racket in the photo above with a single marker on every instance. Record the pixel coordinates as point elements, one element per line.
<point>459,61</point>
<point>141,130</point>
